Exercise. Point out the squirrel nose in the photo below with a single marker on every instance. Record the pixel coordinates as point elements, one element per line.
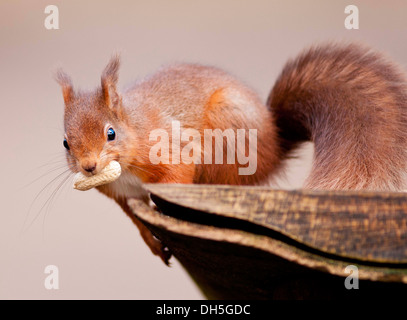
<point>89,168</point>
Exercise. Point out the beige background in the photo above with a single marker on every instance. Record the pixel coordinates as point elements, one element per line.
<point>98,251</point>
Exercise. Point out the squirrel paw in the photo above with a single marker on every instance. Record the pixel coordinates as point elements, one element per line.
<point>157,247</point>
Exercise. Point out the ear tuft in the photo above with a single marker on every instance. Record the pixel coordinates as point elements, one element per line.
<point>66,84</point>
<point>109,80</point>
<point>110,74</point>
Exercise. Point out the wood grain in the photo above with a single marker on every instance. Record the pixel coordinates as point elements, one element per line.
<point>260,243</point>
<point>362,226</point>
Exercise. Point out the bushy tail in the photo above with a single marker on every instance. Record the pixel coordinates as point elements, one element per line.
<point>352,103</point>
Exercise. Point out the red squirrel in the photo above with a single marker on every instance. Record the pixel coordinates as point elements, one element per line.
<point>347,99</point>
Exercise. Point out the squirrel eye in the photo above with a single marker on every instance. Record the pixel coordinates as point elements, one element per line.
<point>111,135</point>
<point>66,144</point>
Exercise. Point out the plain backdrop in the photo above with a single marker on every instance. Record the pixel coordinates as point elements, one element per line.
<point>97,250</point>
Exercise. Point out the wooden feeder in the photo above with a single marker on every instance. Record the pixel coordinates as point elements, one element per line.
<point>260,243</point>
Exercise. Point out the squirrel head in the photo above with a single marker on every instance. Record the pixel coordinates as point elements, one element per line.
<point>94,122</point>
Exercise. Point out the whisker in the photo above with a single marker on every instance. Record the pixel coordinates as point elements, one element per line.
<point>51,199</point>
<point>36,198</point>
<point>53,161</point>
<point>43,175</point>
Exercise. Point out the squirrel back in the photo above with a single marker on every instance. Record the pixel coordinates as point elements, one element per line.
<point>352,103</point>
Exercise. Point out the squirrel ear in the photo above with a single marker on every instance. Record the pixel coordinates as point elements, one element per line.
<point>66,84</point>
<point>109,81</point>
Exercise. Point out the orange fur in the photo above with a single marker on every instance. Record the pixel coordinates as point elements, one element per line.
<point>350,101</point>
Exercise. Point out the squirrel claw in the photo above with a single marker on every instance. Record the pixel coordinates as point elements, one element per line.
<point>162,251</point>
<point>166,255</point>
<point>157,247</point>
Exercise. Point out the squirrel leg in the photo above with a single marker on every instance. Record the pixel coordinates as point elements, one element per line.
<point>182,173</point>
<point>155,245</point>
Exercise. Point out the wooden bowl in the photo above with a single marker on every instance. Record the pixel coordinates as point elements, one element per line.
<point>258,243</point>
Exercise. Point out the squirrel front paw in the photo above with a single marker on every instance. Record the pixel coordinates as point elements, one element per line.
<point>156,246</point>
